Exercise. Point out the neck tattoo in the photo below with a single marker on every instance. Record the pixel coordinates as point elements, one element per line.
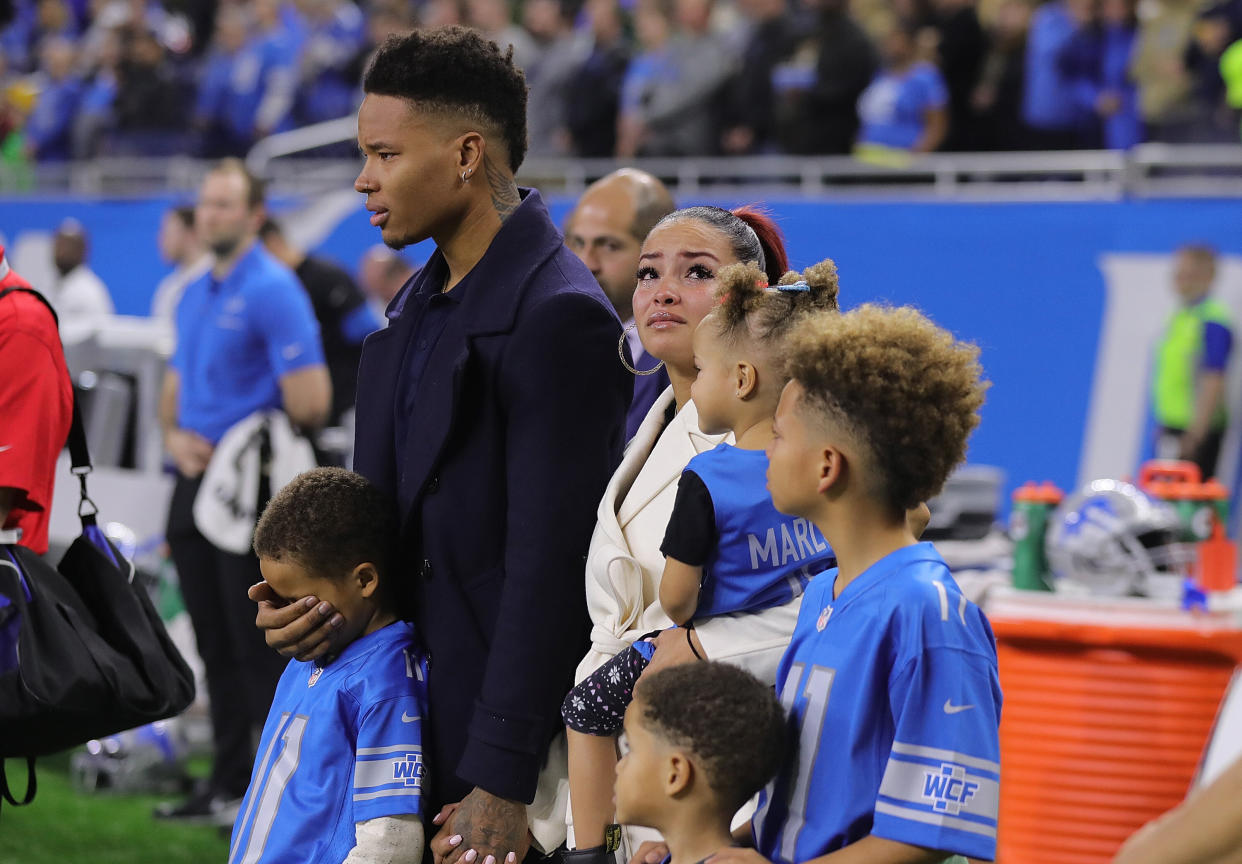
<point>505,198</point>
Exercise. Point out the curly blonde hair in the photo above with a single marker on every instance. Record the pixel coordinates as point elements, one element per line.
<point>903,388</point>
<point>746,305</point>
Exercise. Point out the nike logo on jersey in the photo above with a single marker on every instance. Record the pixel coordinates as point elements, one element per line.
<point>406,718</point>
<point>6,447</point>
<point>950,708</point>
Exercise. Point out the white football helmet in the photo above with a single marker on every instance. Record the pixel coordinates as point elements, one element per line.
<point>148,759</point>
<point>1112,539</point>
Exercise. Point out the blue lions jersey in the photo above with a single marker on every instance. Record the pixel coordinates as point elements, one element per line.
<point>763,558</point>
<point>894,702</point>
<point>342,744</point>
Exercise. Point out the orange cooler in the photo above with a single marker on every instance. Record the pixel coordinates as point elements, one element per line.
<point>1108,706</point>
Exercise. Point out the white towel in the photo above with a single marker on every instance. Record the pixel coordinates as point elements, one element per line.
<point>225,510</point>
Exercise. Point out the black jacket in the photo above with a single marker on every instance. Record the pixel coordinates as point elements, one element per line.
<point>522,409</point>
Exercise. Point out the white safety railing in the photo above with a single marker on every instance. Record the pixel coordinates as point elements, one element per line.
<point>1150,170</point>
<point>307,138</point>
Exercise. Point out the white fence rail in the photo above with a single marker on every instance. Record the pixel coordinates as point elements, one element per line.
<point>1150,170</point>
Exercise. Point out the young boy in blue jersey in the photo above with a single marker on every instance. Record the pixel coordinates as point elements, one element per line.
<point>339,772</point>
<point>726,548</point>
<point>890,679</point>
<point>699,741</point>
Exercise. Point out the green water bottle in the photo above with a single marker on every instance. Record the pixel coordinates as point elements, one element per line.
<point>1028,521</point>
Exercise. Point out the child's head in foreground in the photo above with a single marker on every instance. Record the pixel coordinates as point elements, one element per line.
<point>737,347</point>
<point>879,407</point>
<point>703,735</point>
<point>330,534</point>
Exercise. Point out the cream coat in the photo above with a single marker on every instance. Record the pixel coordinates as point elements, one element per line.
<point>624,566</point>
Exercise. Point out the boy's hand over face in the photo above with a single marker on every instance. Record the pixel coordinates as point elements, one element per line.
<point>302,630</point>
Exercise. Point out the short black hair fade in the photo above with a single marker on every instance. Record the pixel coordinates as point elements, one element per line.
<point>328,521</point>
<point>455,70</point>
<point>727,719</point>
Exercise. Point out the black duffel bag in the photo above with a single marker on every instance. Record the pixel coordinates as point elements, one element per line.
<point>83,652</point>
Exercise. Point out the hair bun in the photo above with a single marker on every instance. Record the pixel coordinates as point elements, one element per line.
<point>740,289</point>
<point>746,301</point>
<point>823,282</point>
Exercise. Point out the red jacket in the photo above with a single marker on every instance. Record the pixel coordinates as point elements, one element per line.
<point>36,407</point>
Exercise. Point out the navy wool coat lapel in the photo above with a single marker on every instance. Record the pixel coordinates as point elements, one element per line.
<point>521,409</point>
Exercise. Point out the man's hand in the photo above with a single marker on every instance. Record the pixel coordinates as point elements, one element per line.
<point>190,451</point>
<point>481,829</point>
<point>650,852</point>
<point>302,630</point>
<point>672,649</point>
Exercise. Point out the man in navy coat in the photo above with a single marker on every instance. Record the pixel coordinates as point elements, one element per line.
<point>492,409</point>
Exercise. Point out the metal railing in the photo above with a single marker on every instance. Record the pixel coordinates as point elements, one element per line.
<point>1150,170</point>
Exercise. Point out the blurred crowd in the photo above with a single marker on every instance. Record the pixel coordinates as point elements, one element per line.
<point>627,78</point>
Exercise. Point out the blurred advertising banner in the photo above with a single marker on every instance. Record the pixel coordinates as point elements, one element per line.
<point>1065,299</point>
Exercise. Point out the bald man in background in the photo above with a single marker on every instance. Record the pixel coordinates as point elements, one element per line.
<point>606,230</point>
<point>381,275</point>
<point>78,295</point>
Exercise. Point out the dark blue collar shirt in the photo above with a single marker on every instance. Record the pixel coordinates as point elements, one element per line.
<point>429,307</point>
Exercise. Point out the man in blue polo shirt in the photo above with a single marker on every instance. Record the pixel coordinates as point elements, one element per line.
<point>247,341</point>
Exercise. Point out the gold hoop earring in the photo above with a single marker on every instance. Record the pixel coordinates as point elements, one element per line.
<point>626,363</point>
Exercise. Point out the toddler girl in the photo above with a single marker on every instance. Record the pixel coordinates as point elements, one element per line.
<point>726,547</point>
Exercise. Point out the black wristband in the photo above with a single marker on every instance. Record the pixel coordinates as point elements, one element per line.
<point>690,641</point>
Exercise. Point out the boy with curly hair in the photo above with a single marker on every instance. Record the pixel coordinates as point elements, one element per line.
<point>699,741</point>
<point>890,679</point>
<point>339,775</point>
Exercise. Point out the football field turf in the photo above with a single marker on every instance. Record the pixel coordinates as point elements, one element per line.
<point>64,826</point>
